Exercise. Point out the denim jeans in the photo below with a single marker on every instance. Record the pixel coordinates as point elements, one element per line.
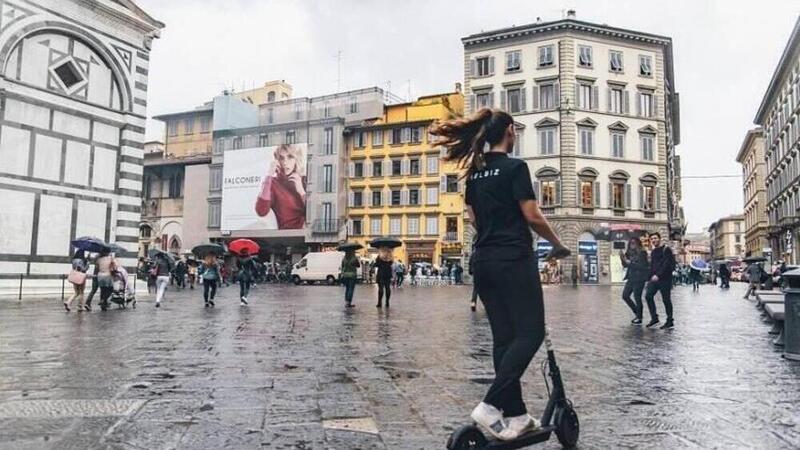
<point>349,289</point>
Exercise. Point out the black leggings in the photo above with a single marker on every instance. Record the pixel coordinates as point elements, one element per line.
<point>384,285</point>
<point>511,293</point>
<point>634,286</point>
<point>209,287</point>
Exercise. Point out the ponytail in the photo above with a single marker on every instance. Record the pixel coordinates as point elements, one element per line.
<point>465,139</point>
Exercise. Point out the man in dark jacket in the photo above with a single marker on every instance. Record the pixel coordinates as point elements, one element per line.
<point>662,263</point>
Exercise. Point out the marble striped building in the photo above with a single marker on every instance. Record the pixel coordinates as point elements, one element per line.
<point>73,88</point>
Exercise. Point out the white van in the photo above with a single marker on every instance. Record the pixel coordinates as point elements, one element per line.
<point>319,266</point>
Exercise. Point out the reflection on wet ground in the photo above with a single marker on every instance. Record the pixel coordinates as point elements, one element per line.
<point>288,371</point>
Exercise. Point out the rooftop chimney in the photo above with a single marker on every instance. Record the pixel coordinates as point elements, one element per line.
<point>571,14</point>
<point>458,87</point>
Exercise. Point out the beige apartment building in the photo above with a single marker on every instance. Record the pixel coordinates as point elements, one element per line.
<point>726,237</point>
<point>596,112</point>
<point>751,157</point>
<point>190,132</point>
<point>779,117</point>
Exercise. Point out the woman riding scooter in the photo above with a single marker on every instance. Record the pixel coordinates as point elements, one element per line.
<point>502,205</point>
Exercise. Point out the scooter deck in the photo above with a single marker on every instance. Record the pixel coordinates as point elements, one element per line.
<point>534,437</point>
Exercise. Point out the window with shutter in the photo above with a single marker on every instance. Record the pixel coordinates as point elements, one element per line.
<point>585,56</point>
<point>597,194</point>
<point>546,58</point>
<point>433,165</point>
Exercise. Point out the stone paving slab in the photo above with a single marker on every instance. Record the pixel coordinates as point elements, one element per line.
<point>272,375</point>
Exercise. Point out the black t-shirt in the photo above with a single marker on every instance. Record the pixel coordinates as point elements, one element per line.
<point>494,194</point>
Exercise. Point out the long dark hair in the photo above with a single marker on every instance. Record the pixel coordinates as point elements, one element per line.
<point>465,138</point>
<point>79,254</point>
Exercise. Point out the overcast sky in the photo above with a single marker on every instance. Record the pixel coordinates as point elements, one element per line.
<point>725,53</point>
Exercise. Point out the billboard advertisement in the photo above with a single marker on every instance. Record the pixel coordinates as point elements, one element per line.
<point>264,188</point>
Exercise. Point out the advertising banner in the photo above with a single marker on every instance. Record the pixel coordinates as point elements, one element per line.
<point>264,188</point>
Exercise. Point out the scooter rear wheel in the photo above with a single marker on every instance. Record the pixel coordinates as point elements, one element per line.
<point>567,426</point>
<point>468,437</point>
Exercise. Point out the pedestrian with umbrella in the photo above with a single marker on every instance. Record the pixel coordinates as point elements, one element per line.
<point>696,267</point>
<point>104,264</point>
<point>245,265</point>
<point>384,264</point>
<point>209,270</point>
<point>754,275</point>
<point>724,275</point>
<point>90,244</point>
<point>162,266</point>
<point>348,272</point>
<point>77,277</point>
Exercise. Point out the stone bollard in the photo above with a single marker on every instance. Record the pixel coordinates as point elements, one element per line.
<point>791,321</point>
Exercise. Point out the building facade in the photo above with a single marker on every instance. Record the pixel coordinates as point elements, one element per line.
<point>695,246</point>
<point>73,89</point>
<point>779,117</point>
<point>597,119</point>
<point>726,238</point>
<point>751,157</point>
<point>397,185</point>
<point>317,122</point>
<point>165,192</point>
<point>190,132</point>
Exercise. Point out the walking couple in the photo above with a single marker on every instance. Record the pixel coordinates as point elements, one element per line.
<point>655,274</point>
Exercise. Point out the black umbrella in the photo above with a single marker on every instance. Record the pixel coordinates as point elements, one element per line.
<point>204,249</point>
<point>90,244</point>
<point>386,242</point>
<point>349,246</point>
<point>116,248</point>
<point>754,259</point>
<point>156,253</point>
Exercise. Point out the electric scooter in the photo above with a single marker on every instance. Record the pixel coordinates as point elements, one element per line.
<point>559,417</point>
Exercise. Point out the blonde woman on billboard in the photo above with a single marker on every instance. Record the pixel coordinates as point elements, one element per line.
<point>283,190</point>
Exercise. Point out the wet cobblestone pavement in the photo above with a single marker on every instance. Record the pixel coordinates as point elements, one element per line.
<point>281,373</point>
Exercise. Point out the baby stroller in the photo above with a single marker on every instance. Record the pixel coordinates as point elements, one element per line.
<point>122,292</point>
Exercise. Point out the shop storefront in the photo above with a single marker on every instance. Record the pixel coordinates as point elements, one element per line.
<point>587,258</point>
<point>420,252</point>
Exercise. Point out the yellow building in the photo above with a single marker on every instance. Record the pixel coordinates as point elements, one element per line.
<point>189,132</point>
<point>398,186</point>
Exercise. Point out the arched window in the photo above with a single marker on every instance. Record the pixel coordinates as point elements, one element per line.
<point>145,231</point>
<point>649,193</point>
<point>548,187</point>
<point>589,188</point>
<point>64,64</point>
<point>175,245</point>
<point>619,191</point>
<point>270,96</point>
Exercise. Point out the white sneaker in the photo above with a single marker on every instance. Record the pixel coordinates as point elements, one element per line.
<point>244,301</point>
<point>519,425</point>
<point>490,419</point>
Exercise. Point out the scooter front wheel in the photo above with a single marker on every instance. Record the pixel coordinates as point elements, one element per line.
<point>567,426</point>
<point>468,437</point>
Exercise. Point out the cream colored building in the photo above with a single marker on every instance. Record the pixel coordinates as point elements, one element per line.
<point>726,237</point>
<point>779,116</point>
<point>751,157</point>
<point>190,132</point>
<point>597,119</point>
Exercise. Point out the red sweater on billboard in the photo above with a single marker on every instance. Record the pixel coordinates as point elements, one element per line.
<point>279,194</point>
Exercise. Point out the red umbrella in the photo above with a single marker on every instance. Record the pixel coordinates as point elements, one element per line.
<point>240,245</point>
